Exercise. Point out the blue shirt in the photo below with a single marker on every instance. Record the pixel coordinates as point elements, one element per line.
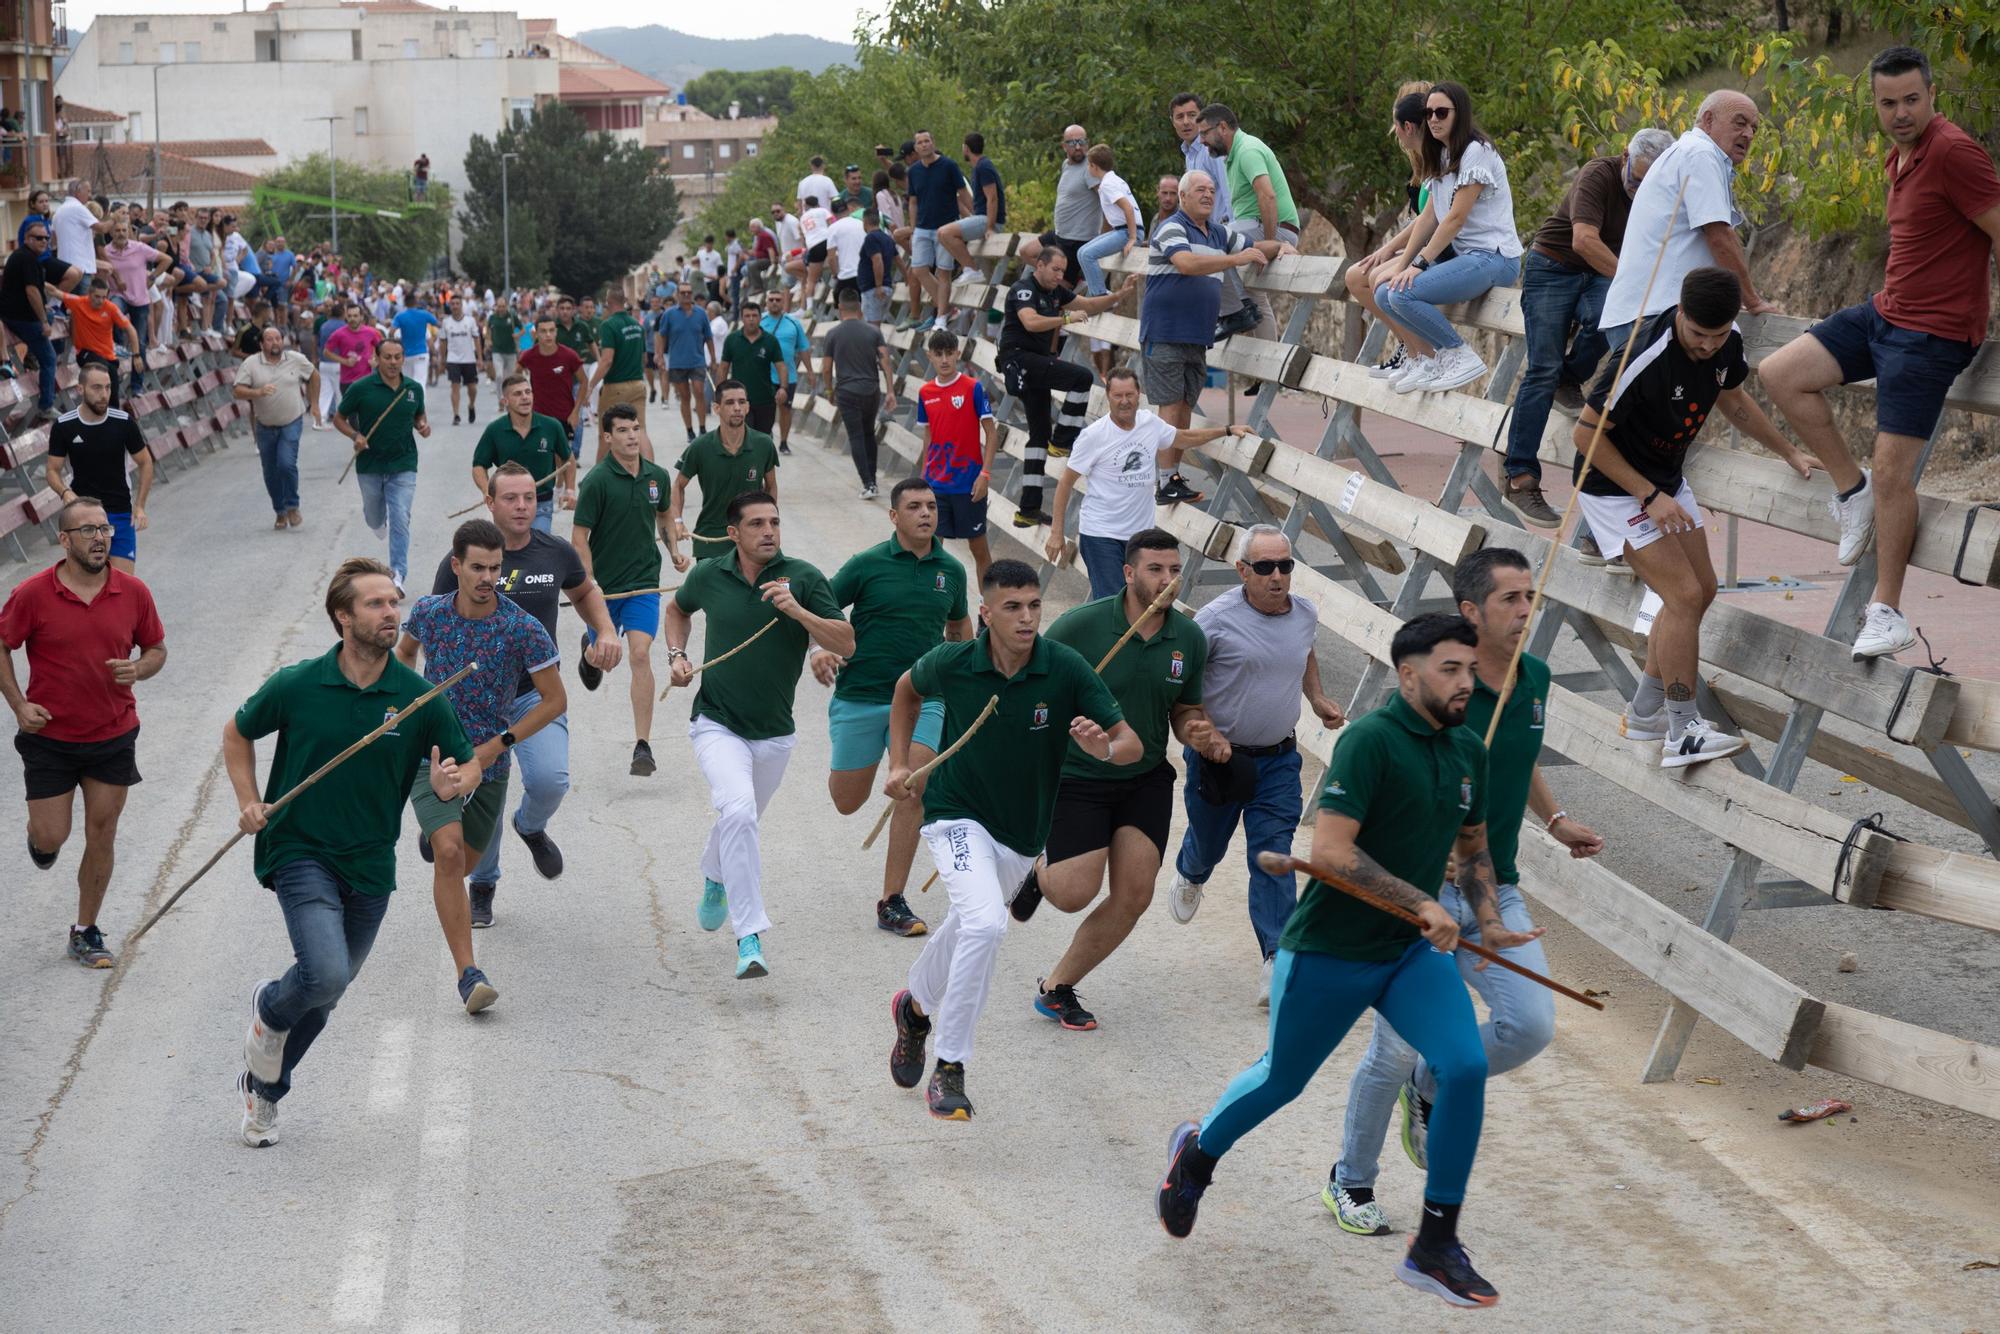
<point>279,265</point>
<point>935,188</point>
<point>791,336</point>
<point>983,175</point>
<point>1180,307</point>
<point>1200,158</point>
<point>413,330</point>
<point>877,242</point>
<point>326,327</point>
<point>686,333</point>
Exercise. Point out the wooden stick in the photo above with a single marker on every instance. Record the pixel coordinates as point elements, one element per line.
<point>1279,863</point>
<point>307,782</point>
<point>633,593</point>
<point>456,514</point>
<point>910,783</point>
<point>1589,453</point>
<point>1166,597</point>
<point>371,434</point>
<point>727,656</point>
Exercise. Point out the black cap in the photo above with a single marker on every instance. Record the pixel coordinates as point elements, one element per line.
<point>909,147</point>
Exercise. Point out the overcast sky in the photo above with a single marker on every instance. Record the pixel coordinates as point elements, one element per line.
<point>832,19</point>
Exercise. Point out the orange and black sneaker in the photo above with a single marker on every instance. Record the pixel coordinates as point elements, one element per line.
<point>946,1095</point>
<point>1061,1003</point>
<point>894,914</point>
<point>1447,1272</point>
<point>906,1054</point>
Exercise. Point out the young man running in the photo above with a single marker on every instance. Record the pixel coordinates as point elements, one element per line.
<point>961,438</point>
<point>728,462</point>
<point>539,444</point>
<point>96,439</point>
<point>907,594</point>
<point>987,808</point>
<point>464,350</point>
<point>79,621</point>
<point>560,379</point>
<point>620,516</point>
<point>621,370</point>
<point>383,414</point>
<point>742,730</point>
<point>330,856</point>
<point>1406,791</point>
<point>1494,589</point>
<point>757,363</point>
<point>688,354</point>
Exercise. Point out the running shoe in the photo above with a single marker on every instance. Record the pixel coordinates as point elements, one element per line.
<point>642,760</point>
<point>1856,516</point>
<point>1179,1195</point>
<point>1184,899</point>
<point>1884,633</point>
<point>1588,552</point>
<point>893,914</point>
<point>1031,519</point>
<point>482,903</point>
<point>1453,368</point>
<point>1061,1003</point>
<point>750,959</point>
<point>1264,985</point>
<point>1390,369</point>
<point>785,448</point>
<point>471,414</point>
<point>1362,1218</point>
<point>1697,742</point>
<point>454,419</point>
<point>42,860</point>
<point>1176,491</point>
<point>1416,1125</point>
<point>424,848</point>
<point>906,1053</point>
<point>1635,728</point>
<point>260,1115</point>
<point>1569,399</point>
<point>869,493</point>
<point>86,946</point>
<point>946,1094</point>
<point>264,1046</point>
<point>1448,1273</point>
<point>1415,371</point>
<point>1056,451</point>
<point>547,856</point>
<point>475,991</point>
<point>1027,898</point>
<point>714,910</point>
<point>585,672</point>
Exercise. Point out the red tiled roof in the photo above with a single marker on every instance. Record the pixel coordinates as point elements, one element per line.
<point>218,147</point>
<point>75,113</point>
<point>592,82</point>
<point>121,169</point>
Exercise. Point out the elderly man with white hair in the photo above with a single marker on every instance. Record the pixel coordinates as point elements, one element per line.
<point>1564,278</point>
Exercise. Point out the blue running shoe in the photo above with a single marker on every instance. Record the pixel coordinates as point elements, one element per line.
<point>714,909</point>
<point>475,991</point>
<point>750,959</point>
<point>1188,1168</point>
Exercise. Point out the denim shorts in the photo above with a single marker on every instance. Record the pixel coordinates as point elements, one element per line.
<point>860,731</point>
<point>1912,370</point>
<point>925,251</point>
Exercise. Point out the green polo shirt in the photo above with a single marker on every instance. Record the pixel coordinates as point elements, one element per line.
<point>621,511</point>
<point>723,476</point>
<point>1250,157</point>
<point>1147,678</point>
<point>1510,760</point>
<point>621,336</point>
<point>392,445</point>
<point>754,364</point>
<point>503,333</point>
<point>539,451</point>
<point>1413,787</point>
<point>578,338</point>
<point>902,603</point>
<point>751,694</point>
<point>350,820</point>
<point>1006,777</point>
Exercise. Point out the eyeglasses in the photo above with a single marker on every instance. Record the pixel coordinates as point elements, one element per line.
<point>92,529</point>
<point>1271,567</point>
<point>1439,113</point>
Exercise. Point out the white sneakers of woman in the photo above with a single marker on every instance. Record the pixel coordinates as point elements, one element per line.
<point>1884,632</point>
<point>1183,899</point>
<point>1856,516</point>
<point>1448,369</point>
<point>1415,371</point>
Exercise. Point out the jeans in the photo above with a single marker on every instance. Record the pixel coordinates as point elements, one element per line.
<point>857,413</point>
<point>1093,254</point>
<point>1104,562</point>
<point>1553,298</point>
<point>542,760</point>
<point>386,498</point>
<point>545,515</point>
<point>31,333</point>
<point>1471,274</point>
<point>139,315</point>
<point>1523,1022</point>
<point>332,929</point>
<point>1268,820</point>
<point>278,447</point>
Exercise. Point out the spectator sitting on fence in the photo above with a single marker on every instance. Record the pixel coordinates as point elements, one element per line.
<point>1261,206</point>
<point>133,265</point>
<point>1472,210</point>
<point>988,215</point>
<point>1406,127</point>
<point>1124,228</point>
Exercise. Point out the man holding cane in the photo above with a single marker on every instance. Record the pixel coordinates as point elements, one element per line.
<point>383,414</point>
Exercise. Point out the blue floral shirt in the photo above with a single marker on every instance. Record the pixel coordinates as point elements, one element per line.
<point>506,643</point>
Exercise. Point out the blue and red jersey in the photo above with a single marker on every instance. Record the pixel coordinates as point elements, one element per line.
<point>957,449</point>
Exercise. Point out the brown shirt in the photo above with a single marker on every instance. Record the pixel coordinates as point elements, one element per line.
<point>1596,198</point>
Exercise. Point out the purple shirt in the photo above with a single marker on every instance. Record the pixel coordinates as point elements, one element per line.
<point>128,270</point>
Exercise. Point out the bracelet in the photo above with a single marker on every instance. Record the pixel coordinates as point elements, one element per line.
<point>673,653</point>
<point>1649,497</point>
<point>1559,815</point>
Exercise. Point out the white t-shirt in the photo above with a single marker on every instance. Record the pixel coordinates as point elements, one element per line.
<point>890,207</point>
<point>734,255</point>
<point>788,234</point>
<point>812,226</point>
<point>72,231</point>
<point>718,332</point>
<point>844,239</point>
<point>461,338</point>
<point>710,261</point>
<point>816,186</point>
<point>1110,189</point>
<point>1119,466</point>
<point>1490,224</point>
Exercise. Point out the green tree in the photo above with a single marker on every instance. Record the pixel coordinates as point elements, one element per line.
<point>405,247</point>
<point>756,92</point>
<point>592,207</point>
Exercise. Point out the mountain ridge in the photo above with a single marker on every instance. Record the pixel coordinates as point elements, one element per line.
<point>675,57</point>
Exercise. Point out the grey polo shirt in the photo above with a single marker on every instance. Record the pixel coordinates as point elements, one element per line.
<point>1255,666</point>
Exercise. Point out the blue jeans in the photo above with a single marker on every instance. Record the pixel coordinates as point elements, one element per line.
<point>386,498</point>
<point>332,929</point>
<point>542,760</point>
<point>1104,562</point>
<point>1268,821</point>
<point>1093,254</point>
<point>1523,1022</point>
<point>30,333</point>
<point>545,515</point>
<point>1315,999</point>
<point>139,315</point>
<point>1554,297</point>
<point>1464,277</point>
<point>278,447</point>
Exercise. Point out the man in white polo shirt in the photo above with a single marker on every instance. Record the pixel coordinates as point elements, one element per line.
<point>1118,453</point>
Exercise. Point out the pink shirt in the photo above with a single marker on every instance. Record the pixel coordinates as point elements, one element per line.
<point>128,268</point>
<point>345,341</point>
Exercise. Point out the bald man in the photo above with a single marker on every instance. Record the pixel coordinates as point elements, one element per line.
<point>1078,218</point>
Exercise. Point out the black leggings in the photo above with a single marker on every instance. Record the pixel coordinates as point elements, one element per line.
<point>1035,379</point>
<point>857,413</point>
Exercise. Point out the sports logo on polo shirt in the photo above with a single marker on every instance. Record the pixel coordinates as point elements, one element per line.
<point>1041,718</point>
<point>1176,665</point>
<point>1538,715</point>
<point>653,490</point>
<point>1465,793</point>
<point>389,715</point>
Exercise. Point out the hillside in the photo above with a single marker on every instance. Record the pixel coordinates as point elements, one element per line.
<point>675,57</point>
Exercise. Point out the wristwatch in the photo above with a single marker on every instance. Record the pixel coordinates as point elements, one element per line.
<point>508,740</point>
<point>673,653</point>
<point>1420,263</point>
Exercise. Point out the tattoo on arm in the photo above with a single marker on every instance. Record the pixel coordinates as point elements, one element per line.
<point>1476,882</point>
<point>1367,873</point>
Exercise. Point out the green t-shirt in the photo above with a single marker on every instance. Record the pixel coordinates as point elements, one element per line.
<point>392,445</point>
<point>1250,157</point>
<point>621,511</point>
<point>751,694</point>
<point>1510,761</point>
<point>755,364</point>
<point>723,476</point>
<point>350,820</point>
<point>503,333</point>
<point>580,338</point>
<point>1413,787</point>
<point>621,336</point>
<point>1147,678</point>
<point>1006,777</point>
<point>544,446</point>
<point>902,603</point>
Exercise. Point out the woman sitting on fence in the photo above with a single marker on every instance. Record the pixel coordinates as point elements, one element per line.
<point>1406,127</point>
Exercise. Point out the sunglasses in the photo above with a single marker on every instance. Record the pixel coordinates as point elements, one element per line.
<point>1440,113</point>
<point>1073,142</point>
<point>1271,567</point>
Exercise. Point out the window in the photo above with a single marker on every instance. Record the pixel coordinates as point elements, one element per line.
<point>488,48</point>
<point>191,52</point>
<point>135,127</point>
<point>722,151</point>
<point>218,26</point>
<point>142,26</point>
<point>750,149</point>
<point>166,56</point>
<point>360,120</point>
<point>521,109</point>
<point>124,53</point>
<point>687,152</point>
<point>409,48</point>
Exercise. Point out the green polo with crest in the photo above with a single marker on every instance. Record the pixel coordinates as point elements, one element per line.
<point>1510,760</point>
<point>751,694</point>
<point>388,417</point>
<point>621,511</point>
<point>1147,678</point>
<point>723,476</point>
<point>902,603</point>
<point>539,451</point>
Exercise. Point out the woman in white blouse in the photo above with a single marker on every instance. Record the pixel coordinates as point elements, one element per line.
<point>1471,214</point>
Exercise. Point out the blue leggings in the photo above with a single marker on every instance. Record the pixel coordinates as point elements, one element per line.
<point>1315,999</point>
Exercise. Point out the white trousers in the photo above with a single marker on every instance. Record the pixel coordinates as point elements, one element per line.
<point>329,389</point>
<point>742,777</point>
<point>417,368</point>
<point>951,977</point>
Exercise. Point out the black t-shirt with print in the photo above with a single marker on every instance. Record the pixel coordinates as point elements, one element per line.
<point>1665,397</point>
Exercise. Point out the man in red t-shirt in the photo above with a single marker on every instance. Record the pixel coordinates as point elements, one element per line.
<point>80,619</point>
<point>1912,338</point>
<point>561,385</point>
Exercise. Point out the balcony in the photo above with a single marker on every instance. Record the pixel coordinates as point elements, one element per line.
<point>29,160</point>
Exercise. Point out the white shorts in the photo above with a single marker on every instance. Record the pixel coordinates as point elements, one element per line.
<point>417,367</point>
<point>1617,522</point>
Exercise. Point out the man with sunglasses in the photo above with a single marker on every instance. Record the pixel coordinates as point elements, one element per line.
<point>1077,216</point>
<point>1260,659</point>
<point>24,310</point>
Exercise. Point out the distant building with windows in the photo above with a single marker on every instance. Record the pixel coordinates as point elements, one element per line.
<point>699,150</point>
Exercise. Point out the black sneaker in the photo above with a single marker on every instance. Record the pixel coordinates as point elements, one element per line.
<point>424,849</point>
<point>1448,1273</point>
<point>785,448</point>
<point>1176,491</point>
<point>86,946</point>
<point>1242,320</point>
<point>591,676</point>
<point>482,903</point>
<point>42,860</point>
<point>1060,1003</point>
<point>642,760</point>
<point>1569,399</point>
<point>906,1054</point>
<point>893,914</point>
<point>471,414</point>
<point>1032,519</point>
<point>547,856</point>
<point>946,1095</point>
<point>1179,1195</point>
<point>1027,898</point>
<point>454,419</point>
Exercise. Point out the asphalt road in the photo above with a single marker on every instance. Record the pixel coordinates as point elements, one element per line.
<point>632,1140</point>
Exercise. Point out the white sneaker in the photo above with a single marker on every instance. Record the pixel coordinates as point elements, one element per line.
<point>1264,986</point>
<point>1393,367</point>
<point>1415,371</point>
<point>263,1046</point>
<point>1698,741</point>
<point>260,1115</point>
<point>869,493</point>
<point>1634,728</point>
<point>1856,516</point>
<point>1183,899</point>
<point>1884,632</point>
<point>1458,366</point>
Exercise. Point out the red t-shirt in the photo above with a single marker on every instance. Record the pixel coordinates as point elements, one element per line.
<point>70,641</point>
<point>553,375</point>
<point>1936,279</point>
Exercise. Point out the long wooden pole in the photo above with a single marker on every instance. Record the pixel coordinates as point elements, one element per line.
<point>371,434</point>
<point>631,593</point>
<point>727,656</point>
<point>910,783</point>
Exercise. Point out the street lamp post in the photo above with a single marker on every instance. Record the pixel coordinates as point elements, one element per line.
<point>332,179</point>
<point>506,229</point>
<point>153,187</point>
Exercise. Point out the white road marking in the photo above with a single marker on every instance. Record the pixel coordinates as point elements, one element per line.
<point>363,1270</point>
<point>1833,1230</point>
<point>389,1075</point>
<point>434,1273</point>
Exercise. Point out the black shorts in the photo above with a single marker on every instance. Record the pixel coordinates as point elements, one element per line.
<point>55,768</point>
<point>1072,271</point>
<point>1090,811</point>
<point>961,517</point>
<point>817,255</point>
<point>461,372</point>
<point>847,285</point>
<point>762,415</point>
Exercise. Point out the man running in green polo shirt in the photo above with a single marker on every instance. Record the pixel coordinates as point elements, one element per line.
<point>728,461</point>
<point>330,856</point>
<point>620,517</point>
<point>621,369</point>
<point>1406,791</point>
<point>742,731</point>
<point>907,593</point>
<point>383,414</point>
<point>538,443</point>
<point>988,807</point>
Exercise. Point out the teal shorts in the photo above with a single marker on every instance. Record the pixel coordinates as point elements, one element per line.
<point>477,815</point>
<point>861,730</point>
